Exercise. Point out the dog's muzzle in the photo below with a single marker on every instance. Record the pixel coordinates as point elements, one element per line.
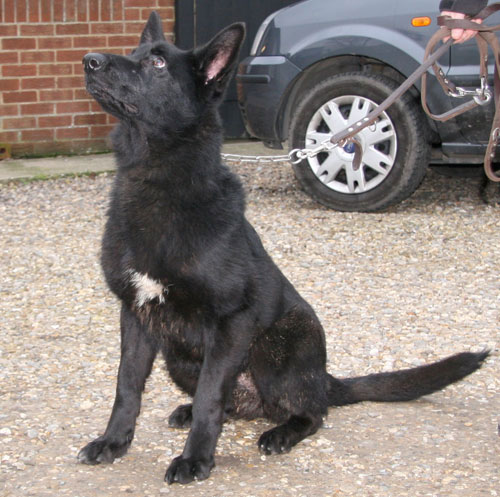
<point>94,61</point>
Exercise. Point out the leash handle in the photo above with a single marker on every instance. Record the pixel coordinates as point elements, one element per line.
<point>485,37</point>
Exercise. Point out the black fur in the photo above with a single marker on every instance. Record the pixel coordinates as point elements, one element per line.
<point>193,277</point>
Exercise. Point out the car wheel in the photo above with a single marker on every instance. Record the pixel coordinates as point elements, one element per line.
<point>395,148</point>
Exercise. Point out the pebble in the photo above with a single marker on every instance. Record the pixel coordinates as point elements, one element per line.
<point>392,289</point>
<point>32,433</point>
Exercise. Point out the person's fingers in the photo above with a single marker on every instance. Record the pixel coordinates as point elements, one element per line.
<point>461,35</point>
<point>457,34</point>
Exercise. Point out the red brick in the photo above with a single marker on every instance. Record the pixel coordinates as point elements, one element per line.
<point>53,42</point>
<point>137,3</point>
<point>46,10</point>
<point>9,110</point>
<point>72,29</point>
<point>19,70</point>
<point>78,67</point>
<point>58,11</point>
<point>70,82</point>
<point>8,30</point>
<point>107,28</point>
<point>81,94</point>
<point>95,107</point>
<point>19,123</point>
<point>44,148</point>
<point>68,147</point>
<point>9,84</point>
<point>97,145</point>
<point>81,10</point>
<point>89,119</point>
<point>133,14</point>
<point>55,95</point>
<point>100,131</point>
<point>37,109</point>
<point>105,12</point>
<point>37,83</point>
<point>117,10</point>
<point>9,57</point>
<point>19,96</point>
<point>9,136</point>
<point>22,149</point>
<point>93,10</point>
<point>69,10</point>
<point>164,13</point>
<point>72,107</point>
<point>54,121</point>
<point>37,135</point>
<point>71,55</point>
<point>54,69</point>
<point>34,11</point>
<point>123,41</point>
<point>21,11</point>
<point>53,147</point>
<point>134,28</point>
<point>18,43</point>
<point>37,29</point>
<point>37,56</point>
<point>89,42</point>
<point>65,133</point>
<point>10,11</point>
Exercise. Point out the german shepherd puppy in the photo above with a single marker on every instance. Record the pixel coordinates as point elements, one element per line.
<point>193,277</point>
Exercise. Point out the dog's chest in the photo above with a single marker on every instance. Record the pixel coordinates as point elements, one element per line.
<point>170,311</point>
<point>147,289</point>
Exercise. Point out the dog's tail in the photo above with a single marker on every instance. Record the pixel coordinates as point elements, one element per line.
<point>407,384</point>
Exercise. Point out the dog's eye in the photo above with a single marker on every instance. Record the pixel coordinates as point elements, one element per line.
<point>159,62</point>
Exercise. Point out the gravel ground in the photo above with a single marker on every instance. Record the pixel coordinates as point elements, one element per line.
<point>393,290</point>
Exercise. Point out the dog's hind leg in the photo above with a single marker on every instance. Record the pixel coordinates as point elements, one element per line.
<point>283,437</point>
<point>181,417</point>
<point>138,351</point>
<point>288,365</point>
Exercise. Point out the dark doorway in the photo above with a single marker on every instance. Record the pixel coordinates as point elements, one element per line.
<point>197,21</point>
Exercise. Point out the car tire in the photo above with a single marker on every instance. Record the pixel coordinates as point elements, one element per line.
<point>395,150</point>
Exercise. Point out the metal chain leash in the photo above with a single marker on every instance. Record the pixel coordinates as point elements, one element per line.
<point>294,156</point>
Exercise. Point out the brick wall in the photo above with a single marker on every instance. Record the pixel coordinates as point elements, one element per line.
<point>44,108</point>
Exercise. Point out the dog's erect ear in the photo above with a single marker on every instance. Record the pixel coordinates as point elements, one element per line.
<point>153,31</point>
<point>217,59</point>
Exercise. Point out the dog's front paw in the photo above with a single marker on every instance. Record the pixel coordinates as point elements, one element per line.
<point>185,470</point>
<point>102,450</point>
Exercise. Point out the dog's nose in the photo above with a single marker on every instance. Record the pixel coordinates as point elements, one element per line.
<point>94,61</point>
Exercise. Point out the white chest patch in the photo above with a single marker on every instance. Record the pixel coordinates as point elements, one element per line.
<point>147,288</point>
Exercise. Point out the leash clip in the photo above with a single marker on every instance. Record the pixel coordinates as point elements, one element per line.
<point>480,95</point>
<point>484,94</point>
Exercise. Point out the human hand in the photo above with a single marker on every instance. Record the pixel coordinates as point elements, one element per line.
<point>460,35</point>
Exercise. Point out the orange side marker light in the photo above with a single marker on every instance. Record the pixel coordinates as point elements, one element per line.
<point>420,22</point>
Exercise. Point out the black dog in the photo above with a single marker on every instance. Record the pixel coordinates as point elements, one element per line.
<point>193,277</point>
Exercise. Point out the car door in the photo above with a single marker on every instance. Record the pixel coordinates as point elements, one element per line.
<point>464,71</point>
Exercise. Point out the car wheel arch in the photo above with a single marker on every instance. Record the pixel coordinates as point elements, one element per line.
<point>325,68</point>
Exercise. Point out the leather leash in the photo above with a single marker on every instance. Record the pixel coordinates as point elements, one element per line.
<point>485,37</point>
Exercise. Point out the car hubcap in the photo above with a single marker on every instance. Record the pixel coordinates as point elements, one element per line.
<point>379,143</point>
